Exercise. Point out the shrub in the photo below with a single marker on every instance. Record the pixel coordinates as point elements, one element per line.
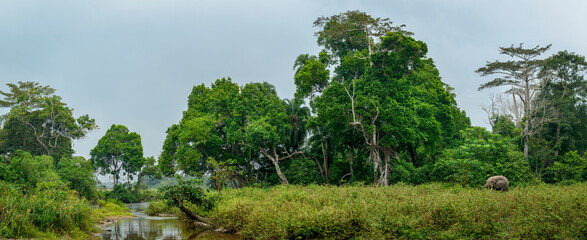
<point>480,156</point>
<point>569,168</point>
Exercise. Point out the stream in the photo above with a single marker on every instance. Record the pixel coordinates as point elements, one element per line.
<point>150,227</point>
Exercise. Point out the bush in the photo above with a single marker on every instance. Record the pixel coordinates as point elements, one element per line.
<point>480,156</point>
<point>569,168</point>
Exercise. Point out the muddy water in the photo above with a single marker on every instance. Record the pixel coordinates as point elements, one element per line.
<point>149,227</point>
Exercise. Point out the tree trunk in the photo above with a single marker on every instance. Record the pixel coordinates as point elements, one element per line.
<point>414,155</point>
<point>275,160</point>
<point>351,159</point>
<point>320,169</point>
<point>279,173</point>
<point>193,216</point>
<point>528,117</point>
<point>326,161</point>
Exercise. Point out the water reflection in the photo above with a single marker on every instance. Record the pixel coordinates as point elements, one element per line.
<point>145,227</point>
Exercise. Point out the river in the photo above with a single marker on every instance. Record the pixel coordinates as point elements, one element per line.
<point>145,227</point>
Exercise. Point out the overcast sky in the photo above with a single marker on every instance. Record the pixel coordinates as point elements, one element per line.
<point>134,62</point>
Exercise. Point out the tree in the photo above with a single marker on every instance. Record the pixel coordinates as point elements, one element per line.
<point>116,151</point>
<point>39,122</point>
<point>565,90</point>
<point>149,169</point>
<point>235,126</point>
<point>222,172</point>
<point>187,191</point>
<point>311,76</point>
<point>298,118</point>
<point>352,31</point>
<point>204,129</point>
<point>29,171</point>
<point>269,125</point>
<point>522,76</point>
<point>398,103</point>
<point>78,173</point>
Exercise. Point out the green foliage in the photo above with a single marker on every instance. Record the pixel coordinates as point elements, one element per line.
<point>29,171</point>
<point>159,207</point>
<point>569,168</point>
<point>118,150</point>
<point>79,175</point>
<point>111,207</point>
<point>39,122</point>
<point>48,212</point>
<point>124,194</point>
<point>430,211</point>
<point>234,125</point>
<point>353,30</point>
<point>565,90</point>
<point>311,78</point>
<point>186,191</point>
<point>479,156</point>
<point>521,77</point>
<point>222,171</point>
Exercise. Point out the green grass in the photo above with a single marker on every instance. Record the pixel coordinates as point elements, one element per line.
<point>45,214</point>
<point>432,211</point>
<point>111,208</point>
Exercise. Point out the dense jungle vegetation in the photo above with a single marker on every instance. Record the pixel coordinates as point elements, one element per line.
<point>370,111</point>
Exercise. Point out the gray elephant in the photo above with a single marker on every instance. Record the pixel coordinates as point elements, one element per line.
<point>499,183</point>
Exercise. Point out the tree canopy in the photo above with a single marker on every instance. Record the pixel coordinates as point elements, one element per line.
<point>118,151</point>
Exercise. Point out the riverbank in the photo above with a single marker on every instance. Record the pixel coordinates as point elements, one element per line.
<point>431,211</point>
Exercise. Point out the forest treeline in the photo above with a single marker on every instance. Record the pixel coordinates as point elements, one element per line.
<point>370,107</point>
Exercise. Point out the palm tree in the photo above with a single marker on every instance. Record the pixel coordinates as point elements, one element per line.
<point>298,117</point>
<point>301,61</point>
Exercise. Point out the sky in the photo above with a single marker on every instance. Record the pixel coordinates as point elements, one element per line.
<point>134,62</point>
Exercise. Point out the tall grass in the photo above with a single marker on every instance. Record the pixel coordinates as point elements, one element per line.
<point>46,213</point>
<point>431,211</point>
<point>111,208</point>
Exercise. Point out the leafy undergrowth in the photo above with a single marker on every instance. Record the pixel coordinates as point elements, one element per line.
<point>50,212</point>
<point>432,211</point>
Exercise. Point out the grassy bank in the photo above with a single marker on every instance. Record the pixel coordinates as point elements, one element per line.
<point>50,213</point>
<point>430,211</point>
<point>111,208</point>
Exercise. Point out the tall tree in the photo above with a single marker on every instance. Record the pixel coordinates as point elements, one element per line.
<point>565,89</point>
<point>234,126</point>
<point>298,117</point>
<point>117,151</point>
<point>352,31</point>
<point>397,103</point>
<point>521,75</point>
<point>39,122</point>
